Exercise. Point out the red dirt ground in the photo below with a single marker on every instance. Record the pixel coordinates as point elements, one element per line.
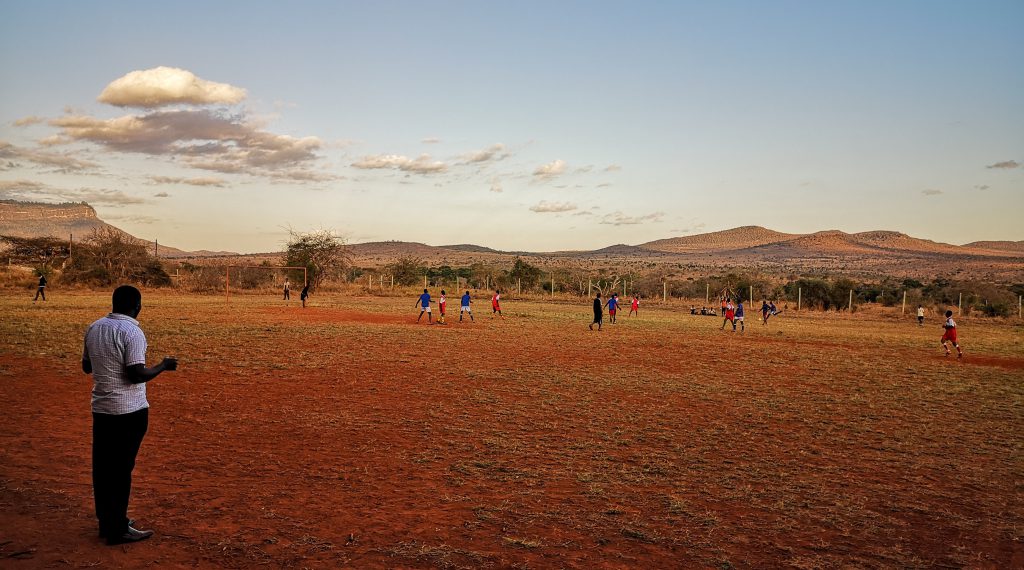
<point>334,437</point>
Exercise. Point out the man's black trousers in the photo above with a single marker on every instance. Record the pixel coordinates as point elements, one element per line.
<point>115,444</point>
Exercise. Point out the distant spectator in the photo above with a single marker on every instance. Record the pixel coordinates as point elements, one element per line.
<point>41,291</point>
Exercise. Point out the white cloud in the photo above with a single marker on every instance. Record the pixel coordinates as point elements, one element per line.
<point>30,190</point>
<point>430,140</point>
<point>26,121</point>
<point>62,162</point>
<point>1005,164</point>
<point>496,185</point>
<point>421,165</point>
<point>167,86</point>
<point>209,181</point>
<point>617,218</point>
<point>550,170</point>
<point>612,168</point>
<point>201,138</point>
<point>493,152</point>
<point>547,207</point>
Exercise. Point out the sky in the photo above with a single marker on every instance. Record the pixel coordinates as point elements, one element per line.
<point>525,126</point>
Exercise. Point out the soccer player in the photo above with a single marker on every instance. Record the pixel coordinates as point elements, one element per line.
<point>598,312</point>
<point>739,317</point>
<point>613,307</point>
<point>920,316</point>
<point>730,316</point>
<point>496,304</point>
<point>441,304</point>
<point>424,303</point>
<point>950,335</point>
<point>304,294</point>
<point>764,311</point>
<point>287,290</point>
<point>634,307</point>
<point>465,307</point>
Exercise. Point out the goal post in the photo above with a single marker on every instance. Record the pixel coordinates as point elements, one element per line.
<point>227,275</point>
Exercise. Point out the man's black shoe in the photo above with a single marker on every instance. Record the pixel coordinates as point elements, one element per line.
<point>131,523</point>
<point>130,535</point>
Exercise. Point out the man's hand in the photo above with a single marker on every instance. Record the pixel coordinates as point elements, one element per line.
<point>170,363</point>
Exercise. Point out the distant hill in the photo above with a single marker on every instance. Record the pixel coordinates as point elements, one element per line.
<point>36,219</point>
<point>468,247</point>
<point>737,238</point>
<point>752,248</point>
<point>1011,247</point>
<point>78,219</point>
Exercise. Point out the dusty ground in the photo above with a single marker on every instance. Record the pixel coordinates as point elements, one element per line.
<point>346,435</point>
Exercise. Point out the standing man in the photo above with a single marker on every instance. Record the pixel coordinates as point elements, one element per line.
<point>598,312</point>
<point>424,303</point>
<point>496,304</point>
<point>115,355</point>
<point>465,307</point>
<point>920,315</point>
<point>287,289</point>
<point>304,294</point>
<point>42,288</point>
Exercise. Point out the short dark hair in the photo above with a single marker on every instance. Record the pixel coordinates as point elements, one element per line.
<point>949,313</point>
<point>126,299</point>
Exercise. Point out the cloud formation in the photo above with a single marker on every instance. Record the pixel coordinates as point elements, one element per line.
<point>202,138</point>
<point>162,86</point>
<point>493,152</point>
<point>549,207</point>
<point>550,170</point>
<point>612,168</point>
<point>421,165</point>
<point>161,195</point>
<point>1005,164</point>
<point>617,218</point>
<point>36,191</point>
<point>931,192</point>
<point>26,121</point>
<point>430,140</point>
<point>61,162</point>
<point>496,185</point>
<point>981,186</point>
<point>210,181</point>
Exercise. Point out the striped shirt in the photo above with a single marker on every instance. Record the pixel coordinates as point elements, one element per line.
<point>112,344</point>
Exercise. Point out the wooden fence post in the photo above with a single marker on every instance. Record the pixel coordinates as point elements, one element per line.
<point>664,291</point>
<point>959,304</point>
<point>799,297</point>
<point>850,308</point>
<point>904,311</point>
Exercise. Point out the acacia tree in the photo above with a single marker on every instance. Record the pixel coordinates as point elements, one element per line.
<point>407,270</point>
<point>42,253</point>
<point>322,253</point>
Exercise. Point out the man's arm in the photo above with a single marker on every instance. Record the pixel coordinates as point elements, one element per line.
<point>86,365</point>
<point>139,374</point>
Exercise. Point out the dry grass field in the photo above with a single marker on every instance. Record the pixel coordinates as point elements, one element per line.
<point>347,435</point>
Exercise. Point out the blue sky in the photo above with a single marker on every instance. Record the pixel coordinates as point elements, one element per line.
<point>525,126</point>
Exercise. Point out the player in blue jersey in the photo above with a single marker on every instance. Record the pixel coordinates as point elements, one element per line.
<point>613,307</point>
<point>424,303</point>
<point>466,301</point>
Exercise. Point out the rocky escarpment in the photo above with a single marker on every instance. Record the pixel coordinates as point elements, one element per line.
<point>34,219</point>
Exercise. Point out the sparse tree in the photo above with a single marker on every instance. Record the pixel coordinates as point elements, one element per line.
<point>323,254</point>
<point>407,270</point>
